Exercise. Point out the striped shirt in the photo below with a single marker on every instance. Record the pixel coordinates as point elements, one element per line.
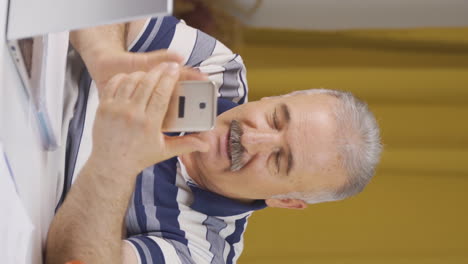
<point>169,218</point>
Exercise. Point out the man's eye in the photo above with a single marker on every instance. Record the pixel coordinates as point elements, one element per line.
<point>275,120</point>
<point>278,156</point>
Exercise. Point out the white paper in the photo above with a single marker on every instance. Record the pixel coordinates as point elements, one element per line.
<point>55,57</point>
<point>47,81</point>
<point>16,229</point>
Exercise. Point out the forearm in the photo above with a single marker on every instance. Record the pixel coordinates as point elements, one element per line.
<point>103,50</point>
<point>97,45</point>
<point>90,42</point>
<point>88,226</point>
<point>133,30</point>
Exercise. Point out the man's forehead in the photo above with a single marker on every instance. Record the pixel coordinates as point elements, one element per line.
<point>319,171</point>
<point>312,138</point>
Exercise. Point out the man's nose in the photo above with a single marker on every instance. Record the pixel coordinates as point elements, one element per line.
<point>256,140</point>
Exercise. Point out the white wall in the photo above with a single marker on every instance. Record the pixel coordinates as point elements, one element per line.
<point>47,16</point>
<point>346,14</point>
<point>3,17</point>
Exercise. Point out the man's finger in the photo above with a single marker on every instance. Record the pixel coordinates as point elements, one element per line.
<point>161,93</point>
<point>147,84</point>
<point>127,86</point>
<point>192,74</point>
<point>154,58</point>
<point>108,91</point>
<point>185,144</point>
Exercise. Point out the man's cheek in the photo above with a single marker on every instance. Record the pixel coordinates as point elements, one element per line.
<point>255,171</point>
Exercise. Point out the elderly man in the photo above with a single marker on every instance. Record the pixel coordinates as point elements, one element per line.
<point>143,197</point>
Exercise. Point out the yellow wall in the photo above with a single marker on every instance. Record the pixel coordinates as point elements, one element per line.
<point>416,208</point>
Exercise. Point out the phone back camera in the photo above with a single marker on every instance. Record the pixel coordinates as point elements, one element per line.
<point>202,105</point>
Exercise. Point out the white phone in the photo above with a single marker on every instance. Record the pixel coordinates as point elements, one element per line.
<point>193,107</point>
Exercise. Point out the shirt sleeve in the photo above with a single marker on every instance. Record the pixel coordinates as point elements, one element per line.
<point>199,50</point>
<point>155,250</point>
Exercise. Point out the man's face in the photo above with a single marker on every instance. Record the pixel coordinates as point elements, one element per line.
<point>287,145</point>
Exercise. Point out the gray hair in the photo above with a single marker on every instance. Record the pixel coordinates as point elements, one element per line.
<point>358,144</point>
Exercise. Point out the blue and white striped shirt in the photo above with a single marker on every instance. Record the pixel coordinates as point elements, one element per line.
<point>170,219</point>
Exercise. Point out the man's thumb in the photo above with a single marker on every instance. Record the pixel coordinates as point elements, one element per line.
<point>157,57</point>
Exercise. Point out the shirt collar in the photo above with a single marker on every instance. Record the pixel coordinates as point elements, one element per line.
<point>213,204</point>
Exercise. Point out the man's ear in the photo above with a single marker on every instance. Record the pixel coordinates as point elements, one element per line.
<point>286,203</point>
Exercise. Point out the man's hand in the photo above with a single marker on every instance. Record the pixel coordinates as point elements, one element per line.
<point>127,128</point>
<point>106,64</point>
<point>103,51</point>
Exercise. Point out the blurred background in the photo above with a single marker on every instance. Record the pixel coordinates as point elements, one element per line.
<point>409,61</point>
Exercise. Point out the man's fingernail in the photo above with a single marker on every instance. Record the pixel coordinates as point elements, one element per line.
<point>173,68</point>
<point>163,65</point>
<point>173,65</point>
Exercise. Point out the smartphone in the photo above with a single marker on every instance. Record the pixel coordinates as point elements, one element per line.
<point>192,108</point>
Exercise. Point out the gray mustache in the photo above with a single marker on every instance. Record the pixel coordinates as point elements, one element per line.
<point>236,147</point>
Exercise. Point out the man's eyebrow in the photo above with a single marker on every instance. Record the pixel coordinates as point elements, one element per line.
<point>285,109</point>
<point>287,118</point>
